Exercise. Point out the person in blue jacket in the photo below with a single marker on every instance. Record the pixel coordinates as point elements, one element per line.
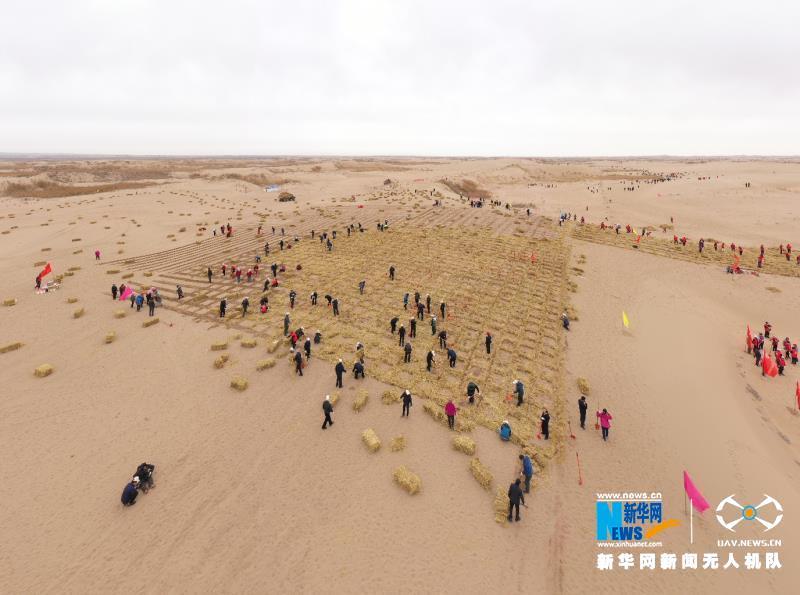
<point>519,388</point>
<point>505,431</point>
<point>527,471</point>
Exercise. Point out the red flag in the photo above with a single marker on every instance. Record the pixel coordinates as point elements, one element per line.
<point>694,494</point>
<point>46,270</point>
<point>749,339</point>
<point>769,367</point>
<point>797,394</point>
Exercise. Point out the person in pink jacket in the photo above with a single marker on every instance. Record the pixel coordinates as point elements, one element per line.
<point>450,411</point>
<point>605,422</point>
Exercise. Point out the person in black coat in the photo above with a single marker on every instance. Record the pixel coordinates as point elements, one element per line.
<point>413,328</point>
<point>393,323</point>
<point>307,347</point>
<point>327,407</point>
<point>443,339</point>
<point>582,407</point>
<point>335,304</point>
<point>402,334</point>
<point>488,343</point>
<point>223,305</point>
<point>545,424</point>
<point>451,356</point>
<point>515,497</point>
<point>130,492</point>
<point>114,292</point>
<point>298,363</point>
<point>407,353</point>
<point>145,474</point>
<point>358,369</point>
<point>406,397</point>
<point>429,359</point>
<point>340,370</point>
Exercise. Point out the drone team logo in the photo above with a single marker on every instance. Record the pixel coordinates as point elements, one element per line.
<point>771,509</point>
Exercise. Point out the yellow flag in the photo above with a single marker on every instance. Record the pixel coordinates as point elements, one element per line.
<point>625,320</point>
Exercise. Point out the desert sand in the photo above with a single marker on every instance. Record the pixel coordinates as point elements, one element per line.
<point>251,496</point>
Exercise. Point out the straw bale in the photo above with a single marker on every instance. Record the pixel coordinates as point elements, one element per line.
<point>219,346</point>
<point>10,302</point>
<point>265,364</point>
<point>43,370</point>
<point>249,342</point>
<point>398,443</point>
<point>150,322</point>
<point>79,312</point>
<point>481,474</point>
<point>583,386</point>
<point>112,271</point>
<point>371,440</point>
<point>335,398</point>
<point>464,444</point>
<point>408,480</point>
<point>10,347</point>
<point>362,396</point>
<point>238,383</point>
<point>221,360</point>
<point>500,506</point>
<point>72,300</point>
<point>273,346</point>
<point>119,313</point>
<point>110,337</point>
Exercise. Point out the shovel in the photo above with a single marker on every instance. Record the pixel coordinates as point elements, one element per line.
<point>571,435</point>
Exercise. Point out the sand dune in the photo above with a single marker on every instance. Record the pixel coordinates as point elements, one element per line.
<point>252,495</point>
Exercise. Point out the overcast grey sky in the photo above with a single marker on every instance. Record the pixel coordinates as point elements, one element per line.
<point>460,77</point>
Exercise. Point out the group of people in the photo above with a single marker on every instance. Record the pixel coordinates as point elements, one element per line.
<point>142,481</point>
<point>151,297</point>
<point>782,350</point>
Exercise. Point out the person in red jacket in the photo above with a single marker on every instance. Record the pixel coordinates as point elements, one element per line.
<point>450,411</point>
<point>767,329</point>
<point>787,346</point>
<point>605,422</point>
<point>780,361</point>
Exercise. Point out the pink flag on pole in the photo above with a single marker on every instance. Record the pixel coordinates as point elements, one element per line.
<point>694,494</point>
<point>125,294</point>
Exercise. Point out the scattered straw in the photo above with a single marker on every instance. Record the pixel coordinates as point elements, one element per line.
<point>408,480</point>
<point>265,364</point>
<point>583,386</point>
<point>390,397</point>
<point>219,346</point>
<point>150,322</point>
<point>481,474</point>
<point>362,396</point>
<point>371,440</point>
<point>464,444</point>
<point>398,443</point>
<point>10,347</point>
<point>273,346</point>
<point>335,398</point>
<point>238,383</point>
<point>43,370</point>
